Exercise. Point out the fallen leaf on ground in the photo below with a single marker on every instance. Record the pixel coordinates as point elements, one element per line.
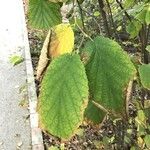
<point>16,59</point>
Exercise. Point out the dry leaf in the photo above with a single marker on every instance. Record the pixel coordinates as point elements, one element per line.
<point>57,42</point>
<point>43,60</point>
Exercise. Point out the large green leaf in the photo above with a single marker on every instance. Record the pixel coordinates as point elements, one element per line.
<point>144,71</point>
<point>44,14</point>
<point>63,96</point>
<point>109,70</point>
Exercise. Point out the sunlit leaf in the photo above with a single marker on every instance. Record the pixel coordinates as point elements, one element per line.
<point>128,3</point>
<point>62,40</point>
<point>16,59</point>
<point>148,48</point>
<point>147,18</point>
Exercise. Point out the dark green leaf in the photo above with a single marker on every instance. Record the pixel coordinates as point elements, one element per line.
<point>94,113</point>
<point>109,70</point>
<point>44,14</point>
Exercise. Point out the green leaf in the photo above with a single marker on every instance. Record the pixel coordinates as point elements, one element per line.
<point>141,16</point>
<point>64,96</point>
<point>109,70</point>
<point>133,148</point>
<point>137,8</point>
<point>94,113</point>
<point>144,72</point>
<point>44,14</point>
<point>128,3</point>
<point>147,110</point>
<point>134,28</point>
<point>147,140</point>
<point>96,13</point>
<point>144,15</point>
<point>15,59</point>
<point>57,1</point>
<point>53,148</point>
<point>141,116</point>
<point>147,18</point>
<point>148,48</point>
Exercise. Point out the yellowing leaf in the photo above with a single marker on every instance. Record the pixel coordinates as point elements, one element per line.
<point>140,142</point>
<point>43,60</point>
<point>62,40</point>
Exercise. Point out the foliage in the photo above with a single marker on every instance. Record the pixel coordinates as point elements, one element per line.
<point>64,100</point>
<point>63,96</point>
<point>144,15</point>
<point>144,71</point>
<point>44,14</point>
<point>43,59</point>
<point>108,62</point>
<point>59,43</point>
<point>55,44</point>
<point>93,113</point>
<point>133,28</point>
<point>148,48</point>
<point>16,59</point>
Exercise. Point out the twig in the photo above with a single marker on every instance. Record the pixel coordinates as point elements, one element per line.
<point>85,34</point>
<point>93,17</point>
<point>100,107</point>
<point>104,17</point>
<point>129,95</point>
<point>81,13</point>
<point>111,18</point>
<point>127,15</point>
<point>80,45</point>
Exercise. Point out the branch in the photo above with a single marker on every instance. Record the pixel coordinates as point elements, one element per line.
<point>101,9</point>
<point>100,107</point>
<point>93,17</point>
<point>112,20</point>
<point>129,96</point>
<point>127,15</point>
<point>81,13</point>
